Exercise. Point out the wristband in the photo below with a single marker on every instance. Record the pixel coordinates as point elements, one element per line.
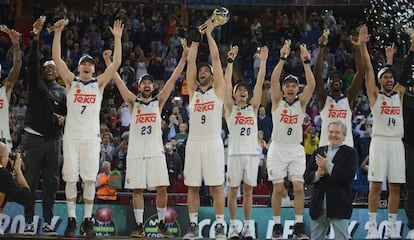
<point>283,58</point>
<point>307,61</point>
<point>230,60</point>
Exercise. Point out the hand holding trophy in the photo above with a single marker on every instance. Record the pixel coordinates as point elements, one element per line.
<point>219,17</point>
<point>38,25</point>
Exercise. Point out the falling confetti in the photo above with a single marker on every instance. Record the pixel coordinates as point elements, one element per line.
<point>390,20</point>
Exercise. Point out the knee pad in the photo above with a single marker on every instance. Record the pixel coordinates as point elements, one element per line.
<point>89,190</point>
<point>71,190</point>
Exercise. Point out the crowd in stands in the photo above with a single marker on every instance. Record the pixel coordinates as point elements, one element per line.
<point>152,44</point>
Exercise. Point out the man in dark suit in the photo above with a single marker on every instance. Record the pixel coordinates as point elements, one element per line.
<point>331,170</point>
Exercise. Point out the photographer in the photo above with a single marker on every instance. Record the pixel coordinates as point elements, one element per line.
<point>15,188</point>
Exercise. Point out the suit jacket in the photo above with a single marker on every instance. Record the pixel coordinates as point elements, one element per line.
<point>337,187</point>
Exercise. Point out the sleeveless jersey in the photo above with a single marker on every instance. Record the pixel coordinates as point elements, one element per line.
<point>334,110</point>
<point>84,105</point>
<point>387,116</point>
<point>242,125</point>
<point>145,135</point>
<point>205,115</point>
<point>4,117</point>
<point>287,122</point>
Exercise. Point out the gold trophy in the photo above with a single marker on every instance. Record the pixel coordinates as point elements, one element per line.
<point>288,42</point>
<point>52,28</point>
<point>410,32</point>
<point>42,20</point>
<point>6,29</point>
<point>220,16</point>
<point>326,32</point>
<point>183,42</point>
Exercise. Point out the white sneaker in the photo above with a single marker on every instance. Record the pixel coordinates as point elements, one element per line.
<point>247,233</point>
<point>391,232</point>
<point>410,235</point>
<point>1,232</point>
<point>372,232</point>
<point>233,233</point>
<point>29,229</point>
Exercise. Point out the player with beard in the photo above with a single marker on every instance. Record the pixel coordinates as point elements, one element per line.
<point>241,117</point>
<point>286,154</point>
<point>146,155</point>
<point>334,104</point>
<point>81,139</point>
<point>204,153</point>
<point>386,152</point>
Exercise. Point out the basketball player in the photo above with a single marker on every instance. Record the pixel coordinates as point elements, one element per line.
<point>81,140</point>
<point>205,151</point>
<point>6,89</point>
<point>286,156</point>
<point>241,117</point>
<point>386,152</point>
<point>334,104</point>
<point>146,155</point>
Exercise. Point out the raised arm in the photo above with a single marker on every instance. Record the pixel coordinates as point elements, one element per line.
<point>218,82</point>
<point>258,87</point>
<point>110,70</point>
<point>406,79</point>
<point>64,72</point>
<point>310,79</point>
<point>358,79</point>
<point>11,79</point>
<point>169,85</point>
<point>275,91</point>
<point>192,68</point>
<point>320,92</point>
<point>372,90</point>
<point>228,99</point>
<point>127,95</point>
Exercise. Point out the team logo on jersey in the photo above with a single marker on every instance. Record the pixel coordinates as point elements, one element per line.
<point>84,97</point>
<point>1,103</point>
<point>389,110</point>
<point>145,117</point>
<point>243,120</point>
<point>336,113</point>
<point>288,119</point>
<point>203,107</point>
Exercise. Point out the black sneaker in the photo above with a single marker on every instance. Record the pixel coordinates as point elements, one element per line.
<point>299,231</point>
<point>29,229</point>
<point>87,228</point>
<point>277,232</point>
<point>138,232</point>
<point>163,229</point>
<point>71,227</point>
<point>48,230</point>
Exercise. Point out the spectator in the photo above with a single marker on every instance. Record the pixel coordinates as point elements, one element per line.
<point>104,192</point>
<point>265,124</point>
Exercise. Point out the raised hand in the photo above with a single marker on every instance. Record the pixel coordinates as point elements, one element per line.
<point>117,28</point>
<point>264,52</point>
<point>304,53</point>
<point>363,36</point>
<point>389,51</point>
<point>14,36</point>
<point>285,50</point>
<point>232,53</point>
<point>59,25</point>
<point>107,55</point>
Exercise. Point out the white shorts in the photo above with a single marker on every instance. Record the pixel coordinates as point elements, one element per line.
<point>80,157</point>
<point>285,160</point>
<point>242,167</point>
<point>386,160</point>
<point>204,160</point>
<point>147,172</point>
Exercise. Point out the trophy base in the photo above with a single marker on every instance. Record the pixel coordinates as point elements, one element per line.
<point>194,34</point>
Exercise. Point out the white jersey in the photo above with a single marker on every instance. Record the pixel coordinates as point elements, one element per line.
<point>145,135</point>
<point>242,125</point>
<point>387,116</point>
<point>4,117</point>
<point>83,101</point>
<point>206,115</point>
<point>334,110</point>
<point>287,122</point>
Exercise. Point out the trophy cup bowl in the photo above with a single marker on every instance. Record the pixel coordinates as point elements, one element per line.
<point>220,16</point>
<point>42,19</point>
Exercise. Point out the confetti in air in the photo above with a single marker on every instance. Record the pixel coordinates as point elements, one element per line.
<point>390,20</point>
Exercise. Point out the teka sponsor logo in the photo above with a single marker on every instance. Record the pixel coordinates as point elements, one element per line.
<point>84,98</point>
